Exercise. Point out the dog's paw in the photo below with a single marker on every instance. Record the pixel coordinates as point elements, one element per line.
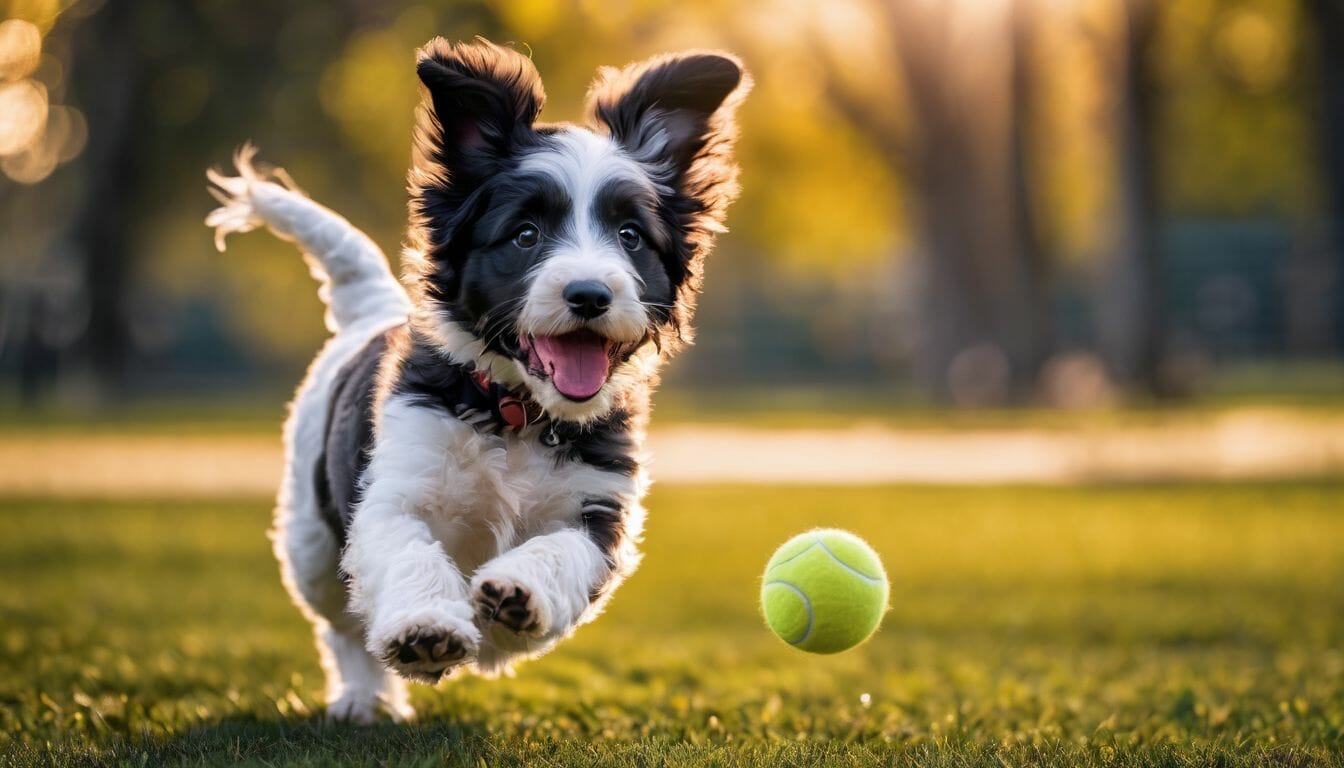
<point>352,707</point>
<point>510,602</point>
<point>423,645</point>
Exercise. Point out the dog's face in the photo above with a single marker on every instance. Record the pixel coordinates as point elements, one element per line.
<point>564,258</point>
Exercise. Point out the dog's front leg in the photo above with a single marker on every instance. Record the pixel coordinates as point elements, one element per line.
<point>539,589</point>
<point>410,594</point>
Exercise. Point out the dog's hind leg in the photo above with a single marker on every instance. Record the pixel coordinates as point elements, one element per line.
<point>357,683</point>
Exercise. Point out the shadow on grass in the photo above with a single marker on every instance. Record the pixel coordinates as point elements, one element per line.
<point>440,742</point>
<point>297,742</point>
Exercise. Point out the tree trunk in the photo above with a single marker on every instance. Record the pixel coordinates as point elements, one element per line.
<point>982,272</point>
<point>1037,261</point>
<point>1327,17</point>
<point>1130,300</point>
<point>106,70</point>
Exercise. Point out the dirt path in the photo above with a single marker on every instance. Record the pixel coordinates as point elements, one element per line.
<point>1251,444</point>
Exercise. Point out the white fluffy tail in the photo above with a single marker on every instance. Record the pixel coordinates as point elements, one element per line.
<point>356,283</point>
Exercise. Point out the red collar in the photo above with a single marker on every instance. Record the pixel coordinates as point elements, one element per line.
<point>517,412</point>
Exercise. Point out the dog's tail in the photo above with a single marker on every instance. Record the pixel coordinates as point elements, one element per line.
<point>356,283</point>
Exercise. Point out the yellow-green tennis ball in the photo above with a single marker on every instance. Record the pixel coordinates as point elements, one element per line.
<point>824,591</point>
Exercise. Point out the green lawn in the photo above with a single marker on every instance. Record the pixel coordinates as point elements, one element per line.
<point>1165,625</point>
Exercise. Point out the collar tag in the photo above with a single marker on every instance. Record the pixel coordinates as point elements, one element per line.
<point>516,412</point>
<point>513,411</point>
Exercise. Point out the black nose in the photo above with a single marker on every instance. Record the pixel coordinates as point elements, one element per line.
<point>587,298</point>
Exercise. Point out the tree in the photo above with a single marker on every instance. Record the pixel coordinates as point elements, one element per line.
<point>1328,18</point>
<point>982,273</point>
<point>166,90</point>
<point>1129,301</point>
<point>100,233</point>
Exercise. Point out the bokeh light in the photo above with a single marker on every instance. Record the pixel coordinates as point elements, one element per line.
<point>23,115</point>
<point>36,136</point>
<point>20,48</point>
<point>1251,48</point>
<point>63,138</point>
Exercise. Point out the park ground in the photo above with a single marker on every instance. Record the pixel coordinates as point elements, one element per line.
<point>1100,624</point>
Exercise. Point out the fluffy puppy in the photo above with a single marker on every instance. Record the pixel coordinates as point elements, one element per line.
<point>464,475</point>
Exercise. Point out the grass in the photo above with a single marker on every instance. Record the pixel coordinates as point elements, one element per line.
<point>1153,626</point>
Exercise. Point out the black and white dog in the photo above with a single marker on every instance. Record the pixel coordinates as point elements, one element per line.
<point>464,475</point>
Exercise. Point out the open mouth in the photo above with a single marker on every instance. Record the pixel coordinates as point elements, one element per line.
<point>577,363</point>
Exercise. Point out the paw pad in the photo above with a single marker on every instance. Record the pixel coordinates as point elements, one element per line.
<point>510,605</point>
<point>425,653</point>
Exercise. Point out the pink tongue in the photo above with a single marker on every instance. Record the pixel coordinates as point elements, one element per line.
<point>577,362</point>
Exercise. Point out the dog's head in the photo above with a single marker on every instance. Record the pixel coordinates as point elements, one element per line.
<point>564,258</point>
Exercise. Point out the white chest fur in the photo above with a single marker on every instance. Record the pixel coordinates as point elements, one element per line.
<point>482,494</point>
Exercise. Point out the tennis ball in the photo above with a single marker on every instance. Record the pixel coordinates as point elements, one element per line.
<point>824,591</point>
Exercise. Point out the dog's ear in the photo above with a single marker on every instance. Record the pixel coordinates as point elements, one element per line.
<point>676,114</point>
<point>479,99</point>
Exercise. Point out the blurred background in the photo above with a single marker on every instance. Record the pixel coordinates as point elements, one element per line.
<point>1077,263</point>
<point>977,203</point>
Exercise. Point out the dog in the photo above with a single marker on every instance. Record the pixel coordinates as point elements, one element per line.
<point>464,458</point>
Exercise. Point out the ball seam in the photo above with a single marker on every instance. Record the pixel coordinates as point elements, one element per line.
<point>827,550</point>
<point>807,631</point>
<point>847,566</point>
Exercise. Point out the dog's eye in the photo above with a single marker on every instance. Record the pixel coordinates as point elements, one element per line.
<point>630,237</point>
<point>526,237</point>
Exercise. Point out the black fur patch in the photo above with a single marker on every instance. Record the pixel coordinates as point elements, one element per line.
<point>348,437</point>
<point>607,443</point>
<point>475,118</point>
<point>604,521</point>
<point>426,378</point>
<point>482,100</point>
